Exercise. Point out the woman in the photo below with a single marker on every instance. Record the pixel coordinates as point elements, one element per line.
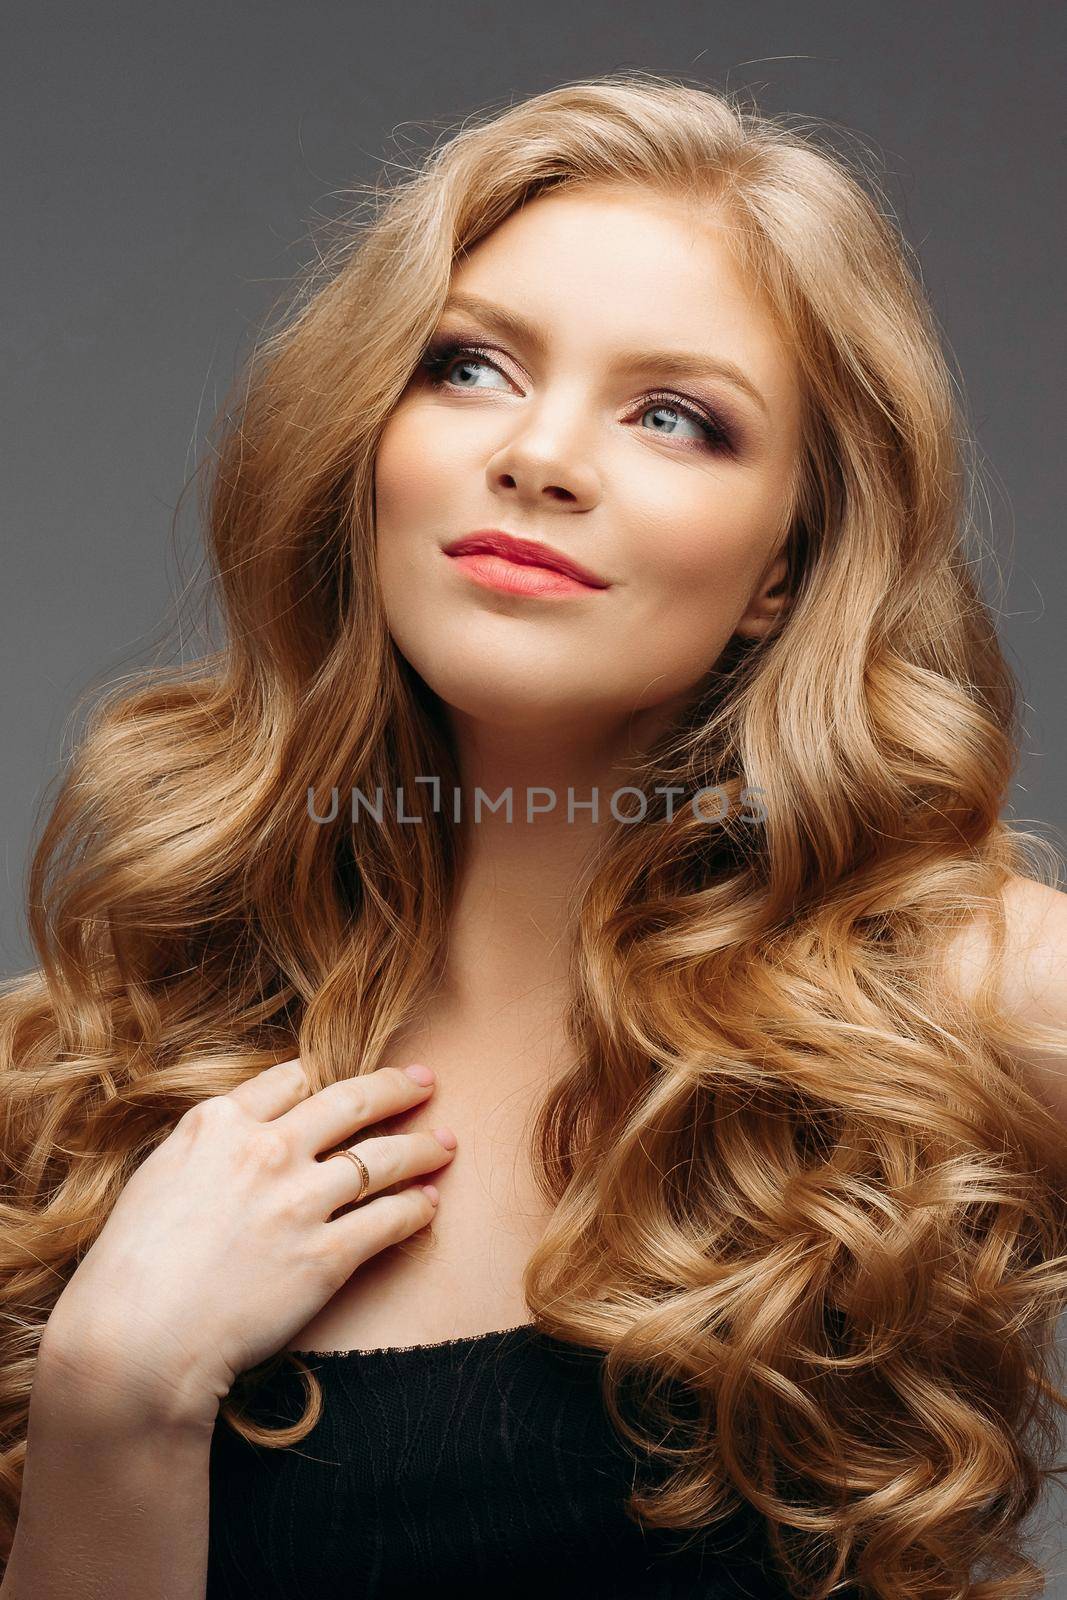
<point>614,467</point>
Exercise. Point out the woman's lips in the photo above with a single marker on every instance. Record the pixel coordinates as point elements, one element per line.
<point>524,552</point>
<point>496,572</point>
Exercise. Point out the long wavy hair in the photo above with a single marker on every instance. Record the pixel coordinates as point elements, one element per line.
<point>804,1200</point>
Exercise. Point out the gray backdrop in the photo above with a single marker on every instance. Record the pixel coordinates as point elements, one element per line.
<point>160,168</point>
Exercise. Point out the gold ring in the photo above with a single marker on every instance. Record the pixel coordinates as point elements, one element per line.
<point>361,1164</point>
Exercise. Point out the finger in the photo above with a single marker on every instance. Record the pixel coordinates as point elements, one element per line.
<point>389,1158</point>
<point>338,1110</point>
<point>362,1233</point>
<point>273,1091</point>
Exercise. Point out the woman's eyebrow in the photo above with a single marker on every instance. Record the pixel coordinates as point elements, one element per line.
<point>684,362</point>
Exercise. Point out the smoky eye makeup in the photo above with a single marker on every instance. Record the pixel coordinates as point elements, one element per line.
<point>722,433</point>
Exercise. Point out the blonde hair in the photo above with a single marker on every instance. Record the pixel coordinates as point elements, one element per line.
<point>803,1197</point>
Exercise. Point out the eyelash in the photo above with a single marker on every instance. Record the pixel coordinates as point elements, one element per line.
<point>440,354</point>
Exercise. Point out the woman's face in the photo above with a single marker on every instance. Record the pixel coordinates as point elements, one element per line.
<point>571,432</point>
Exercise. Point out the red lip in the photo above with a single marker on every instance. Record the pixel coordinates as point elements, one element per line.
<point>527,552</point>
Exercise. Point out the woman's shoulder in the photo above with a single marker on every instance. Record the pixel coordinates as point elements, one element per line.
<point>1032,987</point>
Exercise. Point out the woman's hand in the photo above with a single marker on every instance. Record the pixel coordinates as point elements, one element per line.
<point>223,1243</point>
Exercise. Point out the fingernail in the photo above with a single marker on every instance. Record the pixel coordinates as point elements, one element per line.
<point>446,1137</point>
<point>421,1074</point>
<point>431,1190</point>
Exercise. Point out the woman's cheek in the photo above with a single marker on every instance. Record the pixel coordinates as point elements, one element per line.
<point>403,486</point>
<point>416,454</point>
<point>713,554</point>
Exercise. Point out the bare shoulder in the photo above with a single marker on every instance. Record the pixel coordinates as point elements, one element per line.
<point>1033,981</point>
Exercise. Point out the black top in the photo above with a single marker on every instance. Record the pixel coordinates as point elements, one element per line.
<point>473,1467</point>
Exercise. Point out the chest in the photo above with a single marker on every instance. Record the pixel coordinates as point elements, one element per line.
<point>463,1273</point>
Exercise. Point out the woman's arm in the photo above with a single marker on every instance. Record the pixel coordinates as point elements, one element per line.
<point>114,1499</point>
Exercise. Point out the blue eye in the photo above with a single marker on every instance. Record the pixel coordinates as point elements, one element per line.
<point>442,355</point>
<point>438,363</point>
<point>676,412</point>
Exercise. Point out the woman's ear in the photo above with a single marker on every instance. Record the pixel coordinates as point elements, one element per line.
<point>768,603</point>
